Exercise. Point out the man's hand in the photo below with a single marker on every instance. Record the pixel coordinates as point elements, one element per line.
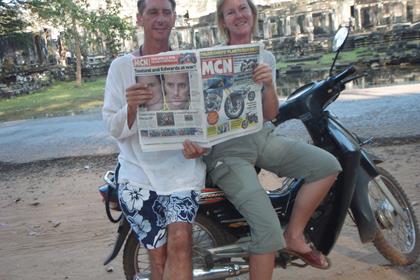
<point>263,75</point>
<point>137,94</point>
<point>192,150</point>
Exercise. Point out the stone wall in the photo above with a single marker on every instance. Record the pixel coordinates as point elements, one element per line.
<point>416,10</point>
<point>25,82</point>
<point>306,20</point>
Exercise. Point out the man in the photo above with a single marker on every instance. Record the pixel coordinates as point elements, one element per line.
<point>177,91</point>
<point>153,186</point>
<point>68,57</point>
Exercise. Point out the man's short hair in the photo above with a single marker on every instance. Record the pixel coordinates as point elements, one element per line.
<point>141,5</point>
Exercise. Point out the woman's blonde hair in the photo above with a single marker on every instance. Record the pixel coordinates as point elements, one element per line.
<point>219,15</point>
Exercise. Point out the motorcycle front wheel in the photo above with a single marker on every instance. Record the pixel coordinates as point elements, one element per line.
<point>234,106</point>
<point>206,234</point>
<point>398,238</point>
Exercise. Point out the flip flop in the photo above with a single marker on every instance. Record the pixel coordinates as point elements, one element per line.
<point>312,258</point>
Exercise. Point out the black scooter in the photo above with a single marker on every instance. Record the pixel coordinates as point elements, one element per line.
<point>378,204</point>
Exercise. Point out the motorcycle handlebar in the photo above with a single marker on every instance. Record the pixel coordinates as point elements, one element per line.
<point>346,73</point>
<point>299,103</point>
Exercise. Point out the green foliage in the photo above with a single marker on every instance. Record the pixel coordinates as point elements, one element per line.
<point>10,17</point>
<point>63,98</point>
<point>110,27</point>
<point>60,13</point>
<point>78,23</point>
<point>71,15</point>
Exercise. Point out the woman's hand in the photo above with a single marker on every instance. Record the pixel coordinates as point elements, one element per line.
<point>192,150</point>
<point>263,75</point>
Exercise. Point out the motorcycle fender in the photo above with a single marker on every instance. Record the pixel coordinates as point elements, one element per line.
<point>123,230</point>
<point>361,209</point>
<point>368,162</point>
<point>360,206</point>
<point>348,153</point>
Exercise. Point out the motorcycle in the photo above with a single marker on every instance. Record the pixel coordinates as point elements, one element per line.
<point>213,92</point>
<point>235,102</point>
<point>248,65</point>
<point>371,196</point>
<point>250,118</point>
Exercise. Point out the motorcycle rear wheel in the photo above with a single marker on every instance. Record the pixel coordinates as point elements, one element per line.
<point>397,240</point>
<point>206,234</point>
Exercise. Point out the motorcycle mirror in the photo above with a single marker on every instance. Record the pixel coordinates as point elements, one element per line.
<point>338,42</point>
<point>339,38</point>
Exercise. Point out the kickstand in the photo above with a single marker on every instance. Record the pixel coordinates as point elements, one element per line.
<point>284,259</point>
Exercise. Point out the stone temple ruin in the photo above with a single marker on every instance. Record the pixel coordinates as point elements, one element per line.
<point>27,63</point>
<point>303,22</point>
<point>299,31</point>
<point>293,30</point>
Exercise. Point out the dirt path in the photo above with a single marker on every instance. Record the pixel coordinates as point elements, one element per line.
<point>53,224</point>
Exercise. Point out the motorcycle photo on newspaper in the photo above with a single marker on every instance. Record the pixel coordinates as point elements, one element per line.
<point>365,191</point>
<point>235,102</point>
<point>213,92</point>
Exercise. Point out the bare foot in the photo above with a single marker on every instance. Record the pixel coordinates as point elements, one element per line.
<point>297,246</point>
<point>296,243</point>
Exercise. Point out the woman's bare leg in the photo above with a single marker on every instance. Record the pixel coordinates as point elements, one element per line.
<point>308,198</point>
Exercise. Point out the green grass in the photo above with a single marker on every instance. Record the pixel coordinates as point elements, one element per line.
<point>62,98</point>
<point>326,59</point>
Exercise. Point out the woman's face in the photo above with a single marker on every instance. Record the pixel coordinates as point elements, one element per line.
<point>237,17</point>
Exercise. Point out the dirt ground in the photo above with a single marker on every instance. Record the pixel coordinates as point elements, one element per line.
<point>53,224</point>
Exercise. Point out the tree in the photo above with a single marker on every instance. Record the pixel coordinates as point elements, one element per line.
<point>107,24</point>
<point>10,18</point>
<point>74,18</point>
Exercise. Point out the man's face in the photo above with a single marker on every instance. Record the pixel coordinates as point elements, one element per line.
<point>153,84</point>
<point>157,19</point>
<point>177,91</point>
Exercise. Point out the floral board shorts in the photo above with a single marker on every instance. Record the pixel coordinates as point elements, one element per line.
<point>149,213</point>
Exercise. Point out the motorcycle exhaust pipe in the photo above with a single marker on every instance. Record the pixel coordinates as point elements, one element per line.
<point>228,270</point>
<point>220,272</point>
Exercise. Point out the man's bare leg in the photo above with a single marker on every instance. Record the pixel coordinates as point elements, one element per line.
<point>157,259</point>
<point>261,266</point>
<point>179,252</point>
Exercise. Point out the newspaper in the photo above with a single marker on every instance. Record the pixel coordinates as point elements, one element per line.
<point>205,95</point>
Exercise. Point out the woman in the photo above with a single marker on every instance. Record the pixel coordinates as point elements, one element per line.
<point>231,164</point>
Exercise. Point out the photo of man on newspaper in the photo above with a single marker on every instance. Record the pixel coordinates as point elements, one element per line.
<point>177,91</point>
<point>153,83</point>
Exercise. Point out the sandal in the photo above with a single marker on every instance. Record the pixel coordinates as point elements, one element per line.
<point>312,258</point>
